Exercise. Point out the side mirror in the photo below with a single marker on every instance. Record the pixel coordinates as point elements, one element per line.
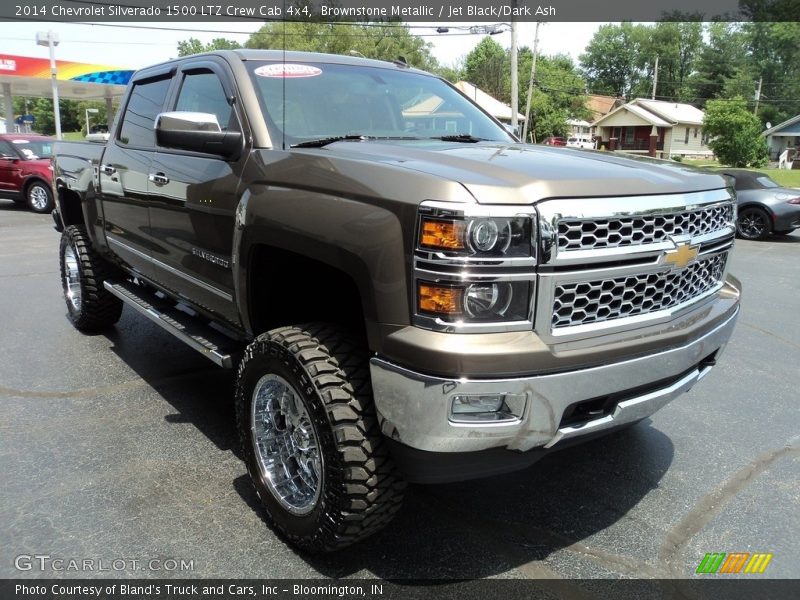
<point>197,132</point>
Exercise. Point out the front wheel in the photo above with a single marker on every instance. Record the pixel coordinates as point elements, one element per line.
<point>39,197</point>
<point>753,224</point>
<point>310,437</point>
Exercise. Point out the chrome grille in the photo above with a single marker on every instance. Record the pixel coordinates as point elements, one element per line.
<point>579,234</point>
<point>599,300</point>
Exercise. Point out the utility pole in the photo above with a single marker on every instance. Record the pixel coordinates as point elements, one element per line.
<point>514,74</point>
<point>530,84</point>
<point>655,79</point>
<point>758,95</point>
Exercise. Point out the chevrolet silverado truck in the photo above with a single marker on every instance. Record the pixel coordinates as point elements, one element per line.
<point>407,292</point>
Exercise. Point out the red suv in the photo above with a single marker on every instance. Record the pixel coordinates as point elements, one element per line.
<point>25,172</point>
<point>555,141</point>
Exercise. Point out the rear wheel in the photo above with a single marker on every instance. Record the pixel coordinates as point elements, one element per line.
<point>310,437</point>
<point>39,197</point>
<point>90,306</point>
<point>753,224</point>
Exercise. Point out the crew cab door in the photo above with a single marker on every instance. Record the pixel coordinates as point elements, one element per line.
<point>193,197</point>
<point>124,169</point>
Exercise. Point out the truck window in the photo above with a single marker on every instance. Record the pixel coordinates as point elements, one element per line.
<point>203,92</point>
<point>146,101</point>
<point>306,101</point>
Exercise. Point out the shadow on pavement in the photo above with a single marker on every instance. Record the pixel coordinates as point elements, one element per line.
<point>474,529</point>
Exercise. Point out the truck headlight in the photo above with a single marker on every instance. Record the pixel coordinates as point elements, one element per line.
<point>476,302</point>
<point>485,237</point>
<point>474,267</point>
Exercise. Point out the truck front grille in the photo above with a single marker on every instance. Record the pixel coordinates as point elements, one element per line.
<point>598,300</point>
<point>581,234</point>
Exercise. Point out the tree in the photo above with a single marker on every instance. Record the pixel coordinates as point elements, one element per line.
<point>677,46</point>
<point>485,66</point>
<point>195,46</point>
<point>613,62</point>
<point>721,63</point>
<point>382,41</point>
<point>735,133</point>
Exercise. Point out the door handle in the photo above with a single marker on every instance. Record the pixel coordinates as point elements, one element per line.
<point>158,178</point>
<point>107,169</point>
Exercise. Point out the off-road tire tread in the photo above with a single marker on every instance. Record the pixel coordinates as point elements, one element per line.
<point>99,308</point>
<point>370,489</point>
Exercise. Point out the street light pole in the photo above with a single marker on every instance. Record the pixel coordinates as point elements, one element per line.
<point>50,39</point>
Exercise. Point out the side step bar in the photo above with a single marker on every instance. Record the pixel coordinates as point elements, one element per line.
<point>192,331</point>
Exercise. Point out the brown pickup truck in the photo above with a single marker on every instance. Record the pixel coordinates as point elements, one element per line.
<point>408,293</point>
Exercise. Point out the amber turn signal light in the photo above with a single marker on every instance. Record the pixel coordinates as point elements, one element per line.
<point>444,235</point>
<point>439,299</point>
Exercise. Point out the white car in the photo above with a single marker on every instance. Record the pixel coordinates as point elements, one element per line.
<point>580,142</point>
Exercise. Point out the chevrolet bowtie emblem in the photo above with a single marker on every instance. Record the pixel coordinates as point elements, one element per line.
<point>682,256</point>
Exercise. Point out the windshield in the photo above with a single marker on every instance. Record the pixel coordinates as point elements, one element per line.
<point>33,149</point>
<point>310,101</point>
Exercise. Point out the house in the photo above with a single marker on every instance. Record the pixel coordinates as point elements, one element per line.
<point>579,128</point>
<point>499,110</point>
<point>679,128</point>
<point>782,137</point>
<point>432,111</point>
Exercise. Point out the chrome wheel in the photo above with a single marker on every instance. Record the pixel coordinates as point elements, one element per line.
<point>287,450</point>
<point>72,278</point>
<point>38,197</point>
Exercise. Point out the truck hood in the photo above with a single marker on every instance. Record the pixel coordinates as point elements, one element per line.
<point>502,173</point>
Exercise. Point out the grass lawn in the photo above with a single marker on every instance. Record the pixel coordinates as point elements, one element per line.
<point>72,136</point>
<point>784,177</point>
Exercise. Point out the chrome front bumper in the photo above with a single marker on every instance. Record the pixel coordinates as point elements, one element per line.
<point>414,408</point>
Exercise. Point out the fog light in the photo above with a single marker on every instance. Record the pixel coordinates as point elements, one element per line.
<point>476,404</point>
<point>489,408</point>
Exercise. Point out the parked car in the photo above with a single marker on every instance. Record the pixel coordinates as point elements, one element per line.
<point>397,308</point>
<point>764,206</point>
<point>554,141</point>
<point>581,141</point>
<point>25,172</point>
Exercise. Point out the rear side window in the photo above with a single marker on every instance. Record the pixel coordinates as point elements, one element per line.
<point>146,101</point>
<point>203,92</point>
<point>6,150</point>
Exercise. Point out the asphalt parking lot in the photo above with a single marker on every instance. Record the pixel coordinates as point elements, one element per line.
<point>122,446</point>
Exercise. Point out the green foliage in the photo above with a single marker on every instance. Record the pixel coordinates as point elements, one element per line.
<point>382,43</point>
<point>613,62</point>
<point>195,46</point>
<point>736,133</point>
<point>489,67</point>
<point>73,114</point>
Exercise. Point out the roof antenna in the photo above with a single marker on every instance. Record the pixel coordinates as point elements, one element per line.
<point>400,61</point>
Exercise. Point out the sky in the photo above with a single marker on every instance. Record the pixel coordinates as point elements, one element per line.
<point>135,48</point>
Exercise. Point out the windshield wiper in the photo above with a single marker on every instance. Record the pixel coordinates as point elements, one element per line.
<point>328,140</point>
<point>465,138</point>
<point>339,138</point>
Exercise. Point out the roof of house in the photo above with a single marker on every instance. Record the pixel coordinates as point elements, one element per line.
<point>673,111</point>
<point>660,113</point>
<point>779,126</point>
<point>600,105</point>
<point>491,105</point>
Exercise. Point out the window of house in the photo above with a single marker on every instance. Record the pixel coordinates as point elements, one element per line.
<point>695,133</point>
<point>686,136</point>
